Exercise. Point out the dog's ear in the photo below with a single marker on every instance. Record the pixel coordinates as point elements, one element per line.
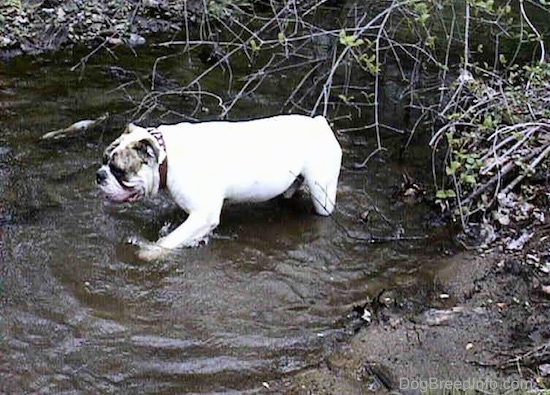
<point>131,128</point>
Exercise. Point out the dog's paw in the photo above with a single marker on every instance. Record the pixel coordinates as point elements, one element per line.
<point>164,241</point>
<point>151,252</point>
<point>146,251</point>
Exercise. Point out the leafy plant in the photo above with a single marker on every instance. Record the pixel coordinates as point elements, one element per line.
<point>350,40</point>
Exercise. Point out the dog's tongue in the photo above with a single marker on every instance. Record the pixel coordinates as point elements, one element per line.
<point>130,197</point>
<point>133,197</point>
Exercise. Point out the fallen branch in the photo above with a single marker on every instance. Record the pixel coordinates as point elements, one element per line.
<point>74,129</point>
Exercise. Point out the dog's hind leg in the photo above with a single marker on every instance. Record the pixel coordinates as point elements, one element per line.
<point>322,181</point>
<point>323,194</point>
<point>294,187</point>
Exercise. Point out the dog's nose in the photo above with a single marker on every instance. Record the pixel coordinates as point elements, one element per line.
<point>101,176</point>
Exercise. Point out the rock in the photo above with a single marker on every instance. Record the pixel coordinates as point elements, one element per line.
<point>61,15</point>
<point>5,42</point>
<point>518,243</point>
<point>135,40</point>
<point>114,41</point>
<point>437,317</point>
<point>544,369</point>
<point>502,216</point>
<point>545,268</point>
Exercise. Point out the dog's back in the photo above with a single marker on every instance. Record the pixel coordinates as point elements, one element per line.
<point>256,160</point>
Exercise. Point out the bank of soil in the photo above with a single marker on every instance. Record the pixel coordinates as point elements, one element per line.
<point>485,325</point>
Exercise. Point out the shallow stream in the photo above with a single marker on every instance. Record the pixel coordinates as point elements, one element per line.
<point>266,298</point>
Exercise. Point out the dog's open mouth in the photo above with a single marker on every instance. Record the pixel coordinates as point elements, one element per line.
<point>134,196</point>
<point>118,191</point>
<point>121,196</point>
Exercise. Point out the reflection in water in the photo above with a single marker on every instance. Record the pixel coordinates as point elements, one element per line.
<point>80,313</point>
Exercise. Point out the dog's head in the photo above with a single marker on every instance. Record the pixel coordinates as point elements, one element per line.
<point>131,164</point>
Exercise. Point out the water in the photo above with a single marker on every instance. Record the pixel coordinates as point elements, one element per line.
<point>264,299</point>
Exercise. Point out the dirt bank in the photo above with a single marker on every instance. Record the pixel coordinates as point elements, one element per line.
<point>485,326</point>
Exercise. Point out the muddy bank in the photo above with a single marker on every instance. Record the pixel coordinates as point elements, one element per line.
<point>484,326</point>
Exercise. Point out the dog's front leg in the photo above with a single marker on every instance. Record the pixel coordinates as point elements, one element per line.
<point>196,227</point>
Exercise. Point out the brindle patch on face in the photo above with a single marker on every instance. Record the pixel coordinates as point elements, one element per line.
<point>147,151</point>
<point>128,161</point>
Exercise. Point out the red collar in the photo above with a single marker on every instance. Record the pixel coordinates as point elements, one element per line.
<point>163,167</point>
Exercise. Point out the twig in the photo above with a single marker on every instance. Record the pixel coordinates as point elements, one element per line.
<point>82,62</point>
<point>467,37</point>
<point>505,170</point>
<point>364,163</point>
<point>535,31</point>
<point>529,169</point>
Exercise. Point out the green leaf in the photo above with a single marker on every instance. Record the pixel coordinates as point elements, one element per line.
<point>441,194</point>
<point>430,42</point>
<point>445,194</point>
<point>488,122</point>
<point>370,62</point>
<point>452,168</point>
<point>349,41</point>
<point>254,45</point>
<point>423,18</point>
<point>468,178</point>
<point>345,98</point>
<point>450,193</point>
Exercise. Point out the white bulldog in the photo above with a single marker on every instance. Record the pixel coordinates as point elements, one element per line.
<point>204,164</point>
